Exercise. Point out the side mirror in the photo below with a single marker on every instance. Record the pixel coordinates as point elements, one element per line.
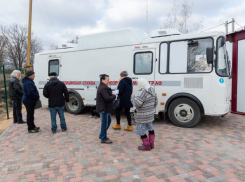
<point>210,55</point>
<point>222,41</point>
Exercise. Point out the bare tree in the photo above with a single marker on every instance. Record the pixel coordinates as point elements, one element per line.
<point>2,45</point>
<point>36,47</point>
<point>73,41</point>
<point>53,46</point>
<point>180,18</point>
<point>15,50</point>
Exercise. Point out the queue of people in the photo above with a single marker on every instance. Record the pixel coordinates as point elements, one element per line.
<point>56,91</point>
<point>28,94</point>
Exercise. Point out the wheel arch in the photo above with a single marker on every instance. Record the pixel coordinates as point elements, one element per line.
<point>185,95</point>
<point>75,92</point>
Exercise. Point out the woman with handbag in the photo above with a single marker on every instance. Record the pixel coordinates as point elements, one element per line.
<point>145,102</point>
<point>125,87</point>
<point>30,99</point>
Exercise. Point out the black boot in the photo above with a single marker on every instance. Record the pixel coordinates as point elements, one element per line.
<point>33,131</point>
<point>21,122</point>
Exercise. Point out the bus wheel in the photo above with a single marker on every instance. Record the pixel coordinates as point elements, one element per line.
<point>75,105</point>
<point>184,112</point>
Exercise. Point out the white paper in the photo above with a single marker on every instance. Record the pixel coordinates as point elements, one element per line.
<point>116,92</point>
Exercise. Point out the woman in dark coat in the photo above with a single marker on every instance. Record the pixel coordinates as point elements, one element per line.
<point>104,106</point>
<point>125,87</point>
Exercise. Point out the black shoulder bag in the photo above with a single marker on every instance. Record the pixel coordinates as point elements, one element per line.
<point>116,103</point>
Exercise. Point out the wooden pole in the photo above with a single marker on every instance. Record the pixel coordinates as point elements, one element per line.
<point>28,63</point>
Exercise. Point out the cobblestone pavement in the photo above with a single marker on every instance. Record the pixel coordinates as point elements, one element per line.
<point>212,151</point>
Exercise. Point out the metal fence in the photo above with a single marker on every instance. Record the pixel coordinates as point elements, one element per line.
<point>5,102</point>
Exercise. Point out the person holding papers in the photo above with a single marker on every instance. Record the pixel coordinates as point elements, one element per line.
<point>104,106</point>
<point>124,91</point>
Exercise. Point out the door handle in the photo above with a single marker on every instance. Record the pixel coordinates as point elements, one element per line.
<point>134,77</point>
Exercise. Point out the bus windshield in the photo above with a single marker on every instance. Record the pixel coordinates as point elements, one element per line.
<point>222,67</point>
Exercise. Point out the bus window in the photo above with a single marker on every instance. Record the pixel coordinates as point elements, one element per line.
<point>178,57</point>
<point>163,58</point>
<point>190,58</point>
<point>143,62</point>
<point>53,66</point>
<point>197,59</point>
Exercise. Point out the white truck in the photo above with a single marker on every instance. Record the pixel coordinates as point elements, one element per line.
<point>189,72</point>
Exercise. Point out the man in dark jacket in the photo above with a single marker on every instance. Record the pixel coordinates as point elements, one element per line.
<point>16,93</point>
<point>104,106</point>
<point>30,98</point>
<point>57,95</point>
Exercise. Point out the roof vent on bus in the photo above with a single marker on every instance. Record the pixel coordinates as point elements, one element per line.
<point>164,33</point>
<point>66,45</point>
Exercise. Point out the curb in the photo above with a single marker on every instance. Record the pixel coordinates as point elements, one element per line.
<point>6,130</point>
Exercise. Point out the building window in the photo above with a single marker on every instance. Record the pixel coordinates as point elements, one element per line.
<point>143,62</point>
<point>190,56</point>
<point>54,66</point>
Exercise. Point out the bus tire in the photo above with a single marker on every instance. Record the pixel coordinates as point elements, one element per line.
<point>75,105</point>
<point>184,112</point>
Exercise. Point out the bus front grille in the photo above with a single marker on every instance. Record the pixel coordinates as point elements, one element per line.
<point>193,82</point>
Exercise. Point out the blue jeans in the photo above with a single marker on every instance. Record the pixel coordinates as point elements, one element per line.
<point>53,113</point>
<point>105,124</point>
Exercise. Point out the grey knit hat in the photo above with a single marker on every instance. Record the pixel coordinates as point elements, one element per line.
<point>29,73</point>
<point>124,73</point>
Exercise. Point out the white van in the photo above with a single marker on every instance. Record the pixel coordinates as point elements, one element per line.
<point>189,72</point>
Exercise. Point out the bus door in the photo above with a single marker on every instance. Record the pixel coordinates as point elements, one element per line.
<point>144,61</point>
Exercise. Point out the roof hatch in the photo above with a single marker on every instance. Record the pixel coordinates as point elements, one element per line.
<point>164,33</point>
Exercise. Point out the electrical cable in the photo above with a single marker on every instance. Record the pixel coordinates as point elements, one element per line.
<point>48,15</point>
<point>213,27</point>
<point>44,19</point>
<point>49,12</point>
<point>239,25</point>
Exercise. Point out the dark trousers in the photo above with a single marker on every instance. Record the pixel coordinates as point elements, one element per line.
<point>17,111</point>
<point>30,107</point>
<point>127,113</point>
<point>105,124</point>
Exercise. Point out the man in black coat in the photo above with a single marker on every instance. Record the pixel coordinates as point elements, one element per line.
<point>57,95</point>
<point>30,99</point>
<point>16,94</point>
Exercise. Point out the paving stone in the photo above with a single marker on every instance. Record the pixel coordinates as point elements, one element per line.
<point>212,151</point>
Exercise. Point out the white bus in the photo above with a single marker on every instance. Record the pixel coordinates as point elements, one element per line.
<point>189,72</point>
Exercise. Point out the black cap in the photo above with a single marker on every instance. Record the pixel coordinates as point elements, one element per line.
<point>29,73</point>
<point>53,74</point>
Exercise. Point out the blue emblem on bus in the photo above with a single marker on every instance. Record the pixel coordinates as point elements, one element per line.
<point>221,80</point>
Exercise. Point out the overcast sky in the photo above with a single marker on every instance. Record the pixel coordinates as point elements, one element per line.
<point>55,21</point>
